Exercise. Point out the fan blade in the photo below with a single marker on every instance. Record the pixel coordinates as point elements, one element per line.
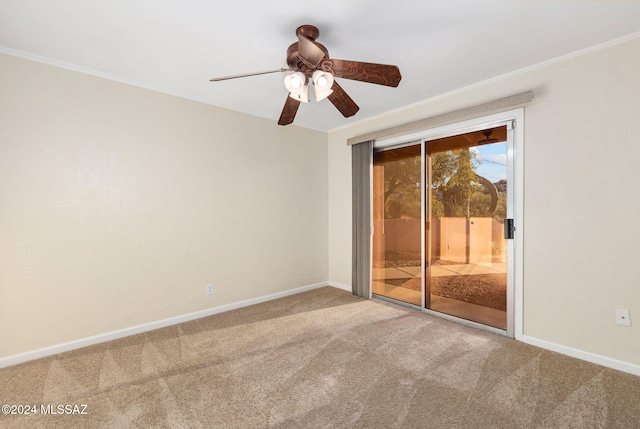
<point>235,76</point>
<point>381,74</point>
<point>309,50</point>
<point>289,111</point>
<point>342,101</point>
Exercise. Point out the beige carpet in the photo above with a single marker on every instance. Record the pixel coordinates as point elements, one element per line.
<point>322,359</point>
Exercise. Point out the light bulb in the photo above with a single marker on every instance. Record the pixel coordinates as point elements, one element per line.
<point>322,81</point>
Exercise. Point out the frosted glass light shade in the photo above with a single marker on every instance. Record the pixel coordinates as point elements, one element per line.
<point>322,83</point>
<point>296,85</point>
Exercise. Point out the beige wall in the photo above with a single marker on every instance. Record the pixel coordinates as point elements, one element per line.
<point>119,204</point>
<point>581,169</point>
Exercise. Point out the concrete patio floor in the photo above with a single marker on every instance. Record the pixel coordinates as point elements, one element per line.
<point>462,309</point>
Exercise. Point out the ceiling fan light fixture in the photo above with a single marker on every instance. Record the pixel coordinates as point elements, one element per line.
<point>301,95</point>
<point>322,83</point>
<point>296,85</point>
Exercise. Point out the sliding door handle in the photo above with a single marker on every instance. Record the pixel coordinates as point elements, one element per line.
<point>509,229</point>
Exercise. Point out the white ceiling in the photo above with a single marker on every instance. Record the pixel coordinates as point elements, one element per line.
<point>176,46</point>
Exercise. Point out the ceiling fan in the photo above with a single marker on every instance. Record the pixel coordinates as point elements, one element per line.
<point>487,138</point>
<point>310,62</point>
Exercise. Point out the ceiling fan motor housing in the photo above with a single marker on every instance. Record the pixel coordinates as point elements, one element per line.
<point>296,61</point>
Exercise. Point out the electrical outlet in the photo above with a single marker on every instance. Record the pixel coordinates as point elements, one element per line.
<point>210,289</point>
<point>622,317</point>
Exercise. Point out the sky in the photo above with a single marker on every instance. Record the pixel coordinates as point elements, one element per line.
<point>493,161</point>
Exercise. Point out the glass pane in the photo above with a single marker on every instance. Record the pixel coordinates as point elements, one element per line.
<point>397,212</point>
<point>468,196</point>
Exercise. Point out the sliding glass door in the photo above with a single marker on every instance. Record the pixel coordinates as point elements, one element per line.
<point>397,213</point>
<point>439,210</point>
<point>467,195</point>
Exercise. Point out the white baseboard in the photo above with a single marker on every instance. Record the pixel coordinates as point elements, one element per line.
<point>581,354</point>
<point>114,335</point>
<point>340,286</point>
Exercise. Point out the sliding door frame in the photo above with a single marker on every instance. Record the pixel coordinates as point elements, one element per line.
<point>514,119</point>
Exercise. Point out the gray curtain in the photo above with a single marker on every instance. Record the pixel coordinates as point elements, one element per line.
<point>361,160</point>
